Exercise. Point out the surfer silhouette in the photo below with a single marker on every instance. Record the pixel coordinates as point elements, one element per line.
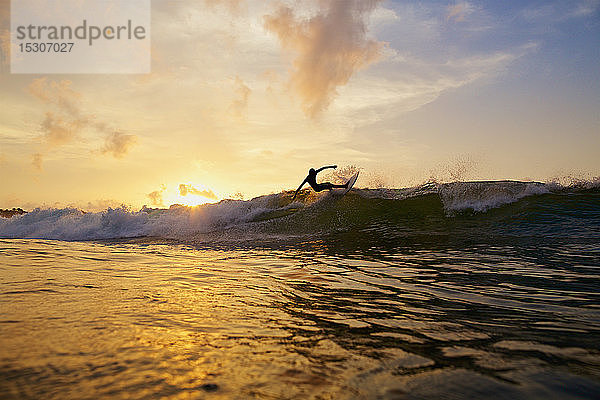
<point>311,179</point>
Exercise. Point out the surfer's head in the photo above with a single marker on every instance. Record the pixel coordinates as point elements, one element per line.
<point>312,171</point>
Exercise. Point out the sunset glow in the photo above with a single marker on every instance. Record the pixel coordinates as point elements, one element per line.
<point>245,96</point>
<point>300,199</point>
<point>190,198</point>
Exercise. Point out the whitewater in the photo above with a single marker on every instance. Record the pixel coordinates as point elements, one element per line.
<point>444,290</point>
<point>247,220</point>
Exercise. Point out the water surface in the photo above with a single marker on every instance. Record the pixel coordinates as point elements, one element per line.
<point>385,299</point>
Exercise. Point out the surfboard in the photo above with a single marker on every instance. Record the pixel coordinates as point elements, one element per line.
<point>350,183</point>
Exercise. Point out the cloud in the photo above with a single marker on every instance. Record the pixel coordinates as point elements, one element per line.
<point>57,93</point>
<point>36,161</point>
<point>63,125</point>
<point>118,144</point>
<point>156,197</point>
<point>459,11</point>
<point>184,190</point>
<point>586,8</point>
<point>58,130</point>
<point>556,12</point>
<point>243,92</point>
<point>428,56</point>
<point>66,123</point>
<point>331,46</point>
<point>404,84</point>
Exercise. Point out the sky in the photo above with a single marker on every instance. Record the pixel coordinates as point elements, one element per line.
<point>245,96</point>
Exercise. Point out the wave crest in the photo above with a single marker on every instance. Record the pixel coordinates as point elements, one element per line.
<point>277,214</point>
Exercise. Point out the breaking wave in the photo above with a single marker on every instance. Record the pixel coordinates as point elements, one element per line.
<point>499,207</point>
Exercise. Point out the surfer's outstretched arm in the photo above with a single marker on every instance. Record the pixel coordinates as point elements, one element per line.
<point>329,166</point>
<point>299,187</point>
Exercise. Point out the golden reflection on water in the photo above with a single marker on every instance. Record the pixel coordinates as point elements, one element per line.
<point>91,320</point>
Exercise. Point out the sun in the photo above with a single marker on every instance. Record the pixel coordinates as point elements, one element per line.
<point>189,195</point>
<point>192,200</point>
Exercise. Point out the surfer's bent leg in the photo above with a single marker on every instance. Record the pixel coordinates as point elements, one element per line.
<point>327,186</point>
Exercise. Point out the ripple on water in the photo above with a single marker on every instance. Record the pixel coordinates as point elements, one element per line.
<point>163,320</point>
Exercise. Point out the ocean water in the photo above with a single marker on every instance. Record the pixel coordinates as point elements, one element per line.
<point>484,290</point>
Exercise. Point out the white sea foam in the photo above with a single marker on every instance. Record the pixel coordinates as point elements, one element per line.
<point>73,224</point>
<point>482,196</point>
<point>176,222</point>
<point>255,217</point>
<point>462,196</point>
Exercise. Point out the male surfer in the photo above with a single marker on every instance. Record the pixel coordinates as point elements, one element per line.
<point>311,179</point>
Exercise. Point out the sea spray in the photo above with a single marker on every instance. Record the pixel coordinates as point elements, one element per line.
<point>429,207</point>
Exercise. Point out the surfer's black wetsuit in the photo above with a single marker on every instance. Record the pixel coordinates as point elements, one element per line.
<point>311,179</point>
